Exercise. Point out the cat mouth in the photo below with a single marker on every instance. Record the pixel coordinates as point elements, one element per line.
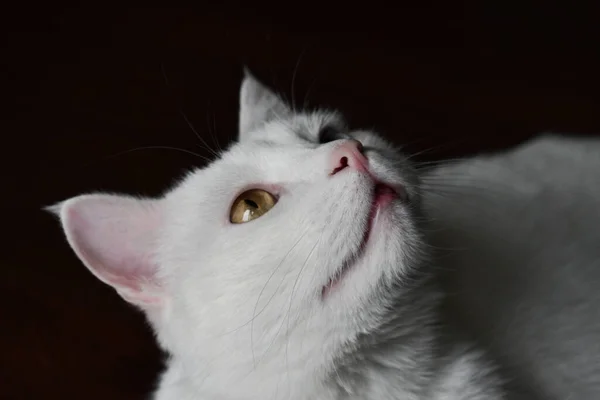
<point>383,195</point>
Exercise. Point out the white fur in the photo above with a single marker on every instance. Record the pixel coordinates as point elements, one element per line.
<point>240,310</point>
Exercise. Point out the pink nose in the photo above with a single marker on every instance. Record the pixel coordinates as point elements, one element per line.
<point>348,155</point>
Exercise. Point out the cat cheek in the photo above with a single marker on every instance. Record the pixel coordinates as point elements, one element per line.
<point>115,238</point>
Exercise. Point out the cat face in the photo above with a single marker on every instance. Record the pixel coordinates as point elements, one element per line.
<point>274,257</point>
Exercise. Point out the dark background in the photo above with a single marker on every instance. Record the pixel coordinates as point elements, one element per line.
<point>84,86</point>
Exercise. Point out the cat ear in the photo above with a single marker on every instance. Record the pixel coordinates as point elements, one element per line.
<point>258,105</point>
<point>115,238</point>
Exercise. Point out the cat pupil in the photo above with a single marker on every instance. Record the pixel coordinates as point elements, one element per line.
<point>250,203</point>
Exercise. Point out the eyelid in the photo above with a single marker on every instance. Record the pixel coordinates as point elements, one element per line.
<point>275,189</point>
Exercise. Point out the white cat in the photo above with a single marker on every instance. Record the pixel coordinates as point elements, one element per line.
<point>303,263</point>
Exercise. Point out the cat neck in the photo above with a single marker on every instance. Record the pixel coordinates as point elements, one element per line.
<point>398,356</point>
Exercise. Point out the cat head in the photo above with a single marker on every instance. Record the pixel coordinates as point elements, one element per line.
<point>275,256</point>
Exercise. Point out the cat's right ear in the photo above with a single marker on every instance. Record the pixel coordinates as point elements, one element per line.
<point>115,237</point>
<point>258,105</point>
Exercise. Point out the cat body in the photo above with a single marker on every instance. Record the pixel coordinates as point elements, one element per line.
<point>303,264</point>
<point>521,233</point>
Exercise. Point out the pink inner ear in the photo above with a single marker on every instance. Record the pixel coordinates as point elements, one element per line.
<point>115,238</point>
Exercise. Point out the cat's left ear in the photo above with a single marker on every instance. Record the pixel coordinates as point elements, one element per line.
<point>115,237</point>
<point>258,105</point>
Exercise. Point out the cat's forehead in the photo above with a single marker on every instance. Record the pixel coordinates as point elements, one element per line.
<point>308,125</point>
<point>280,150</point>
<point>274,152</point>
<point>281,139</point>
<point>299,128</point>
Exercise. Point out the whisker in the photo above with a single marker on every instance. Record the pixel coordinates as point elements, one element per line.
<point>428,150</point>
<point>310,87</point>
<point>296,67</point>
<point>254,314</point>
<point>289,307</point>
<point>460,188</point>
<point>159,148</point>
<point>212,130</point>
<point>430,164</point>
<point>219,147</point>
<point>311,284</point>
<point>191,126</point>
<point>185,118</point>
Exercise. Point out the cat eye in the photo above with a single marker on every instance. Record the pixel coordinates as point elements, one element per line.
<point>328,133</point>
<point>250,205</point>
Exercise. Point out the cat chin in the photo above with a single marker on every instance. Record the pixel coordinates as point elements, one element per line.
<point>383,196</point>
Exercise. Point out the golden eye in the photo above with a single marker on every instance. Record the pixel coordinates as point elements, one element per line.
<point>250,205</point>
